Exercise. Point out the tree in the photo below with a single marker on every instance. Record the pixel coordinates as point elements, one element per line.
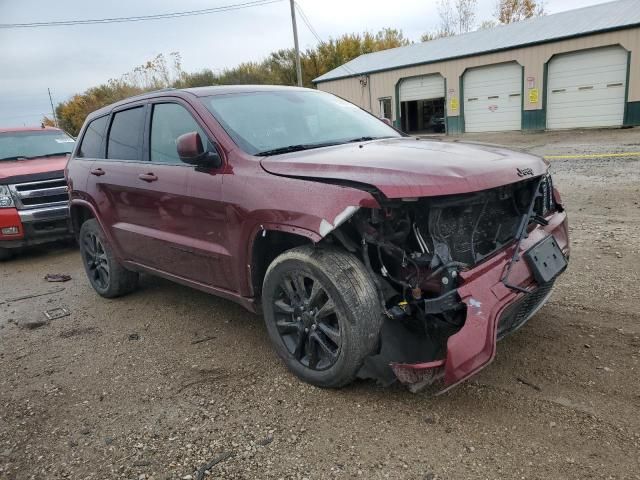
<point>466,15</point>
<point>487,24</point>
<point>509,11</point>
<point>455,18</point>
<point>278,68</point>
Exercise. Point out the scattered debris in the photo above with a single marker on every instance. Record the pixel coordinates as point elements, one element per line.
<point>134,336</point>
<point>528,384</point>
<point>33,295</point>
<point>141,463</point>
<point>265,441</point>
<point>78,331</point>
<point>31,323</point>
<point>57,277</point>
<point>212,463</point>
<point>57,312</point>
<point>200,340</point>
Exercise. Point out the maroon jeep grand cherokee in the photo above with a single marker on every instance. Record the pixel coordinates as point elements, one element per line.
<point>370,254</point>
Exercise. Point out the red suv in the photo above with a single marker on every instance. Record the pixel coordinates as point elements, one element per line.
<point>34,204</point>
<point>371,254</point>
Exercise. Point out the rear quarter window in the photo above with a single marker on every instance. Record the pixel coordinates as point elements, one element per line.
<point>91,145</point>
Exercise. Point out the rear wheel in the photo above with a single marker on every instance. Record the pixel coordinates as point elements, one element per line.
<point>108,277</point>
<point>322,314</point>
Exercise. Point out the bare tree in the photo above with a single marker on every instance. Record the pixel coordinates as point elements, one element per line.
<point>456,16</point>
<point>509,11</point>
<point>466,15</point>
<point>447,18</point>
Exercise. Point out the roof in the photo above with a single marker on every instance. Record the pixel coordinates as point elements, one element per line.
<point>195,91</point>
<point>30,129</point>
<point>573,23</point>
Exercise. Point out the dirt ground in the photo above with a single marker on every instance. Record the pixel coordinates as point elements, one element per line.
<point>158,383</point>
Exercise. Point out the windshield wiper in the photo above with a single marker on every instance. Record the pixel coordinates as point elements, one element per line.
<point>17,157</point>
<point>293,148</point>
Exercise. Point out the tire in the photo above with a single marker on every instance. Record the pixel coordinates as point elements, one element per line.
<point>108,277</point>
<point>323,346</point>
<point>5,254</point>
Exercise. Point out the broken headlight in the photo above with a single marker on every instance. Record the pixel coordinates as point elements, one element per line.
<point>6,200</point>
<point>545,204</point>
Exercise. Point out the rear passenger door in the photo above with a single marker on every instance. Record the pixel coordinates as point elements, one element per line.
<point>114,181</point>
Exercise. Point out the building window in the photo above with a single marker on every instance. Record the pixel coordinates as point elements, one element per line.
<point>385,107</point>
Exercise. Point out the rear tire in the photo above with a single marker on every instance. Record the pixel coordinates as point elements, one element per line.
<point>322,313</point>
<point>106,275</point>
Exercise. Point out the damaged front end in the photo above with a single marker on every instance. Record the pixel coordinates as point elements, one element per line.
<point>451,277</point>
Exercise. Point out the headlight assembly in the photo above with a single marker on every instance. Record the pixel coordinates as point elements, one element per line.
<point>6,200</point>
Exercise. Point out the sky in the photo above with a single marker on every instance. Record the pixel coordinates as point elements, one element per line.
<point>69,60</point>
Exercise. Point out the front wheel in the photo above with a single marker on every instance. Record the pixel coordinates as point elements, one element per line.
<point>322,313</point>
<point>5,254</point>
<point>106,275</point>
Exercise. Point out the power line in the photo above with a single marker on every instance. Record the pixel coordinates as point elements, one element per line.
<point>142,18</point>
<point>307,22</point>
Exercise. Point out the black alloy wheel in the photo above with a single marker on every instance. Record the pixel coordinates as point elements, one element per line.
<point>307,321</point>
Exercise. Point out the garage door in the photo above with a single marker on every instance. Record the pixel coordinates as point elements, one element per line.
<point>492,98</point>
<point>422,88</point>
<point>587,89</point>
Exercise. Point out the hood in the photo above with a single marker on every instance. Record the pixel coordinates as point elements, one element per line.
<point>406,167</point>
<point>22,169</point>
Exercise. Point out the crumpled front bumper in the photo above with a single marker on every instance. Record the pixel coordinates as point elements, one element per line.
<point>473,347</point>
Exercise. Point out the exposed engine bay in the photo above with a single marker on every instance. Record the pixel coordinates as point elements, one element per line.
<point>416,248</point>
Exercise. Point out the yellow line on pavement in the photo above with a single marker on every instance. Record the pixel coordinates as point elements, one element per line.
<point>594,155</point>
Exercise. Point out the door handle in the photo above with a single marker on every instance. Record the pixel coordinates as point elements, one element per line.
<point>98,172</point>
<point>148,177</point>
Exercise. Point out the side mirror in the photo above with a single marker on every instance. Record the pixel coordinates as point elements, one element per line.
<point>191,151</point>
<point>387,121</point>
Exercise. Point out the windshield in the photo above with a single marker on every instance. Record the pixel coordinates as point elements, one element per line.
<point>272,122</point>
<point>30,144</point>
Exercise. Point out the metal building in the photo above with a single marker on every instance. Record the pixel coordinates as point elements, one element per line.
<point>579,68</point>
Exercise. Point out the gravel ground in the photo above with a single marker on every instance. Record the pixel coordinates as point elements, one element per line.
<point>159,383</point>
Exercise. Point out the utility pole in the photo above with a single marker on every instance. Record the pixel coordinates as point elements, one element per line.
<point>295,41</point>
<point>53,110</point>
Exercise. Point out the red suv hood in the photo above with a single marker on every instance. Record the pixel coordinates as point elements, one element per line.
<point>407,167</point>
<point>19,168</point>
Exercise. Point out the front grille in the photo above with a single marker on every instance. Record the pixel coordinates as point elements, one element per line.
<point>44,193</point>
<point>518,313</point>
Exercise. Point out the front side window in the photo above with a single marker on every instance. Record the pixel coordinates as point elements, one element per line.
<point>125,134</point>
<point>168,122</point>
<point>272,122</point>
<point>91,146</point>
<point>34,144</point>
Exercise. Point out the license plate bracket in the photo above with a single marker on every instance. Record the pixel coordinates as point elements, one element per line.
<point>546,260</point>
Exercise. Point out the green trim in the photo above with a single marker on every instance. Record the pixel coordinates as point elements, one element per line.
<point>632,114</point>
<point>461,102</point>
<point>453,126</point>
<point>487,52</point>
<point>625,118</point>
<point>446,110</point>
<point>533,120</point>
<point>522,127</point>
<point>545,81</point>
<point>398,122</point>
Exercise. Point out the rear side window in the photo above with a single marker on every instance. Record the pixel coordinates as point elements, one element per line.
<point>169,121</point>
<point>91,146</point>
<point>125,134</point>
